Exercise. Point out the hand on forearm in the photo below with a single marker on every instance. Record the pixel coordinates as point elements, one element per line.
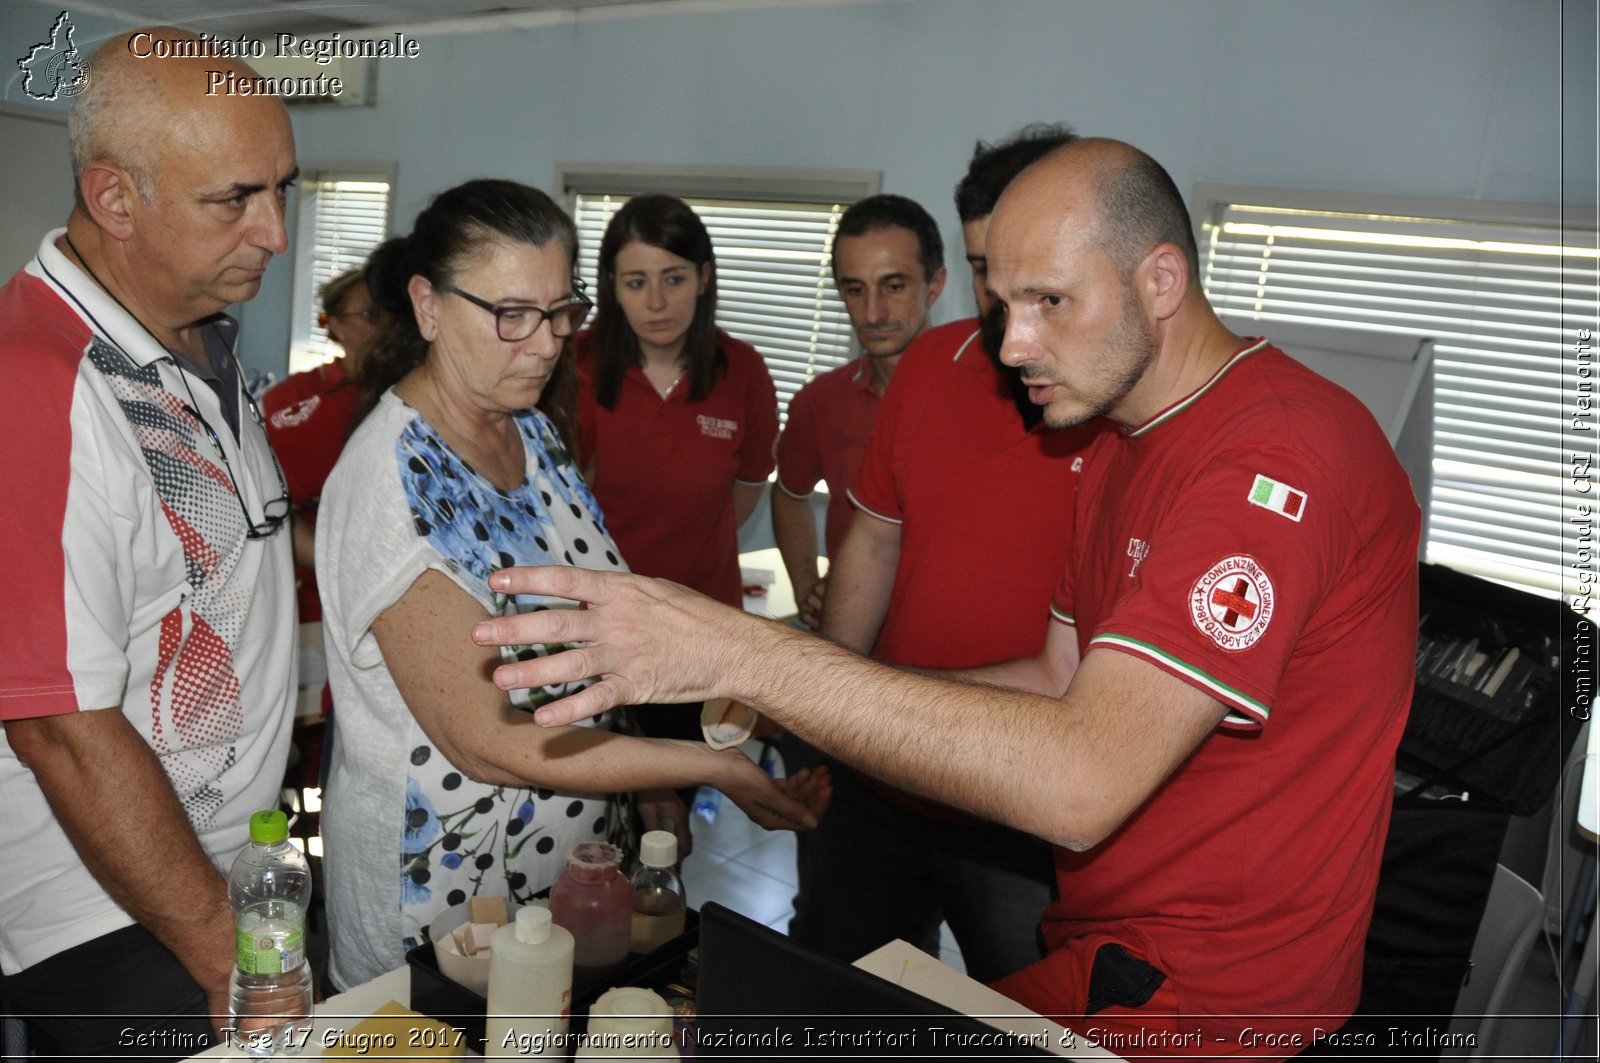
<point>644,641</point>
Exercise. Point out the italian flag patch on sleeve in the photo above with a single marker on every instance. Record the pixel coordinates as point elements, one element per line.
<point>1278,497</point>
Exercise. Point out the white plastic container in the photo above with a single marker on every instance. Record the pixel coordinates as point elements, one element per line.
<point>629,1023</point>
<point>530,987</point>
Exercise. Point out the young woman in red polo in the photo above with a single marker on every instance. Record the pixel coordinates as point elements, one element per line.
<point>677,418</point>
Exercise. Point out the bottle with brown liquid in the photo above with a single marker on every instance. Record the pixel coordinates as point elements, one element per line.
<point>658,900</point>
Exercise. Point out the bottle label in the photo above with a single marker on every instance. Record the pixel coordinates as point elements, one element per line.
<point>262,951</point>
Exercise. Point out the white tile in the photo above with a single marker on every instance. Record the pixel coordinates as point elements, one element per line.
<point>773,855</point>
<point>699,871</point>
<point>729,834</point>
<point>743,889</point>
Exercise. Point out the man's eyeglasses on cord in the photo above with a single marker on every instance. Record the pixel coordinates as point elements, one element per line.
<point>276,510</point>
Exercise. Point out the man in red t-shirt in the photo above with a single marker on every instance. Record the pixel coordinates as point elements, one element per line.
<point>958,478</point>
<point>1208,735</point>
<point>888,262</point>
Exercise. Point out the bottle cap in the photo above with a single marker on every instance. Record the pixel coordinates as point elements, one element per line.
<point>594,856</point>
<point>658,849</point>
<point>632,1011</point>
<point>269,827</point>
<point>533,924</point>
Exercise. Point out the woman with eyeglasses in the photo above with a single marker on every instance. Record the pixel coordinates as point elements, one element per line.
<point>678,417</point>
<point>441,787</point>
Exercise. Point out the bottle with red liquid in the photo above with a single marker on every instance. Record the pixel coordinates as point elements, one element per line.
<point>593,900</point>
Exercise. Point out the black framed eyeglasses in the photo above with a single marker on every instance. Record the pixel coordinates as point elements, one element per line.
<point>518,321</point>
<point>275,511</point>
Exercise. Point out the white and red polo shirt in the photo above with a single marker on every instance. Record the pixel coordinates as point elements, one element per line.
<point>132,586</point>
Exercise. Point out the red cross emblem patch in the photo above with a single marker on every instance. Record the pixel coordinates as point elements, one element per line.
<point>1232,602</point>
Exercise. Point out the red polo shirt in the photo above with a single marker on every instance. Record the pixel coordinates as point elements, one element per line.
<point>664,469</point>
<point>830,425</point>
<point>1257,540</point>
<point>308,419</point>
<point>985,507</point>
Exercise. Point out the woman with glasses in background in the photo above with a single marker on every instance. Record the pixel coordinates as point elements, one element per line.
<point>678,417</point>
<point>443,788</point>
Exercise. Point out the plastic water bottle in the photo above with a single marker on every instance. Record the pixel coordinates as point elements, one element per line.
<point>269,994</point>
<point>707,802</point>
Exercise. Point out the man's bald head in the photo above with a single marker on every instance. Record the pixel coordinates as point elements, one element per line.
<point>180,192</point>
<point>133,111</point>
<point>1126,199</point>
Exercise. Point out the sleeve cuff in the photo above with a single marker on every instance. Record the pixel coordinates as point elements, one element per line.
<point>1243,710</point>
<point>869,511</point>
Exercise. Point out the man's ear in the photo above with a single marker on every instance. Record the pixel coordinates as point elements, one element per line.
<point>1164,280</point>
<point>936,285</point>
<point>110,197</point>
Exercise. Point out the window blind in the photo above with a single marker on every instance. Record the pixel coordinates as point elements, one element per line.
<point>1491,295</point>
<point>349,218</point>
<point>774,279</point>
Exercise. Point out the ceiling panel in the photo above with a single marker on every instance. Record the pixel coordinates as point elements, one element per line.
<point>256,18</point>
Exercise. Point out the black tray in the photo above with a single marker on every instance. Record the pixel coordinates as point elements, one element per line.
<point>1507,756</point>
<point>438,996</point>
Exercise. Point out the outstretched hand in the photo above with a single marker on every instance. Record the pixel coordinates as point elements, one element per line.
<point>642,640</point>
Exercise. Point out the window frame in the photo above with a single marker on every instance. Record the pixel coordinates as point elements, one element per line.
<point>303,298</point>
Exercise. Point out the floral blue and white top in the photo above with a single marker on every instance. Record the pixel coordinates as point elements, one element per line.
<point>406,833</point>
